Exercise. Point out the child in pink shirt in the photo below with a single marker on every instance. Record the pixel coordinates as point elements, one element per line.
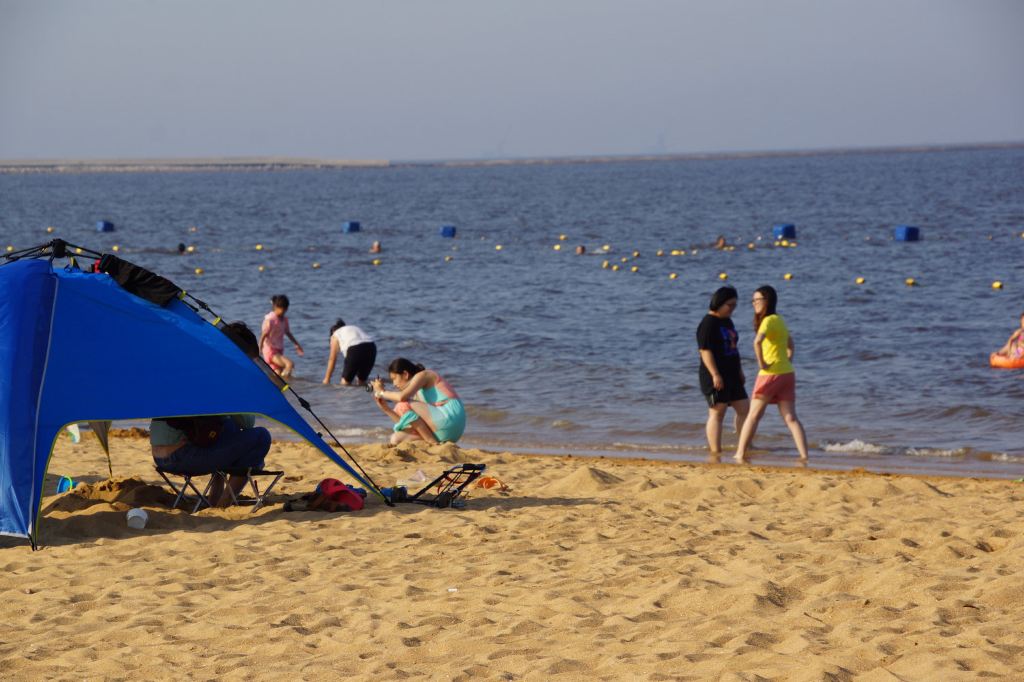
<point>275,328</point>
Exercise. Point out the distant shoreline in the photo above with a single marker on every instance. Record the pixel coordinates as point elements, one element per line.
<point>289,163</point>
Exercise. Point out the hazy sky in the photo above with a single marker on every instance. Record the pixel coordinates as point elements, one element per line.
<point>386,79</point>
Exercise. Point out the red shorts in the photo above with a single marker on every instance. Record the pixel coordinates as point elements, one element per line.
<point>775,388</point>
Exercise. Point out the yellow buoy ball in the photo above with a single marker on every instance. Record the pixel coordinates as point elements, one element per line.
<point>723,276</point>
<point>191,248</point>
<point>115,248</point>
<point>557,247</point>
<point>625,259</point>
<point>910,282</point>
<point>193,229</point>
<point>316,266</point>
<point>78,249</point>
<point>673,275</point>
<point>660,253</point>
<point>376,261</point>
<point>50,230</point>
<point>199,271</point>
<point>997,284</point>
<point>859,280</point>
<point>636,254</point>
<point>606,247</point>
<point>259,247</point>
<point>788,276</point>
<point>605,265</point>
<point>497,247</point>
<point>615,268</point>
<point>9,248</point>
<point>562,237</point>
<point>635,268</point>
<point>261,268</point>
<point>448,259</point>
<point>751,246</point>
<point>676,252</point>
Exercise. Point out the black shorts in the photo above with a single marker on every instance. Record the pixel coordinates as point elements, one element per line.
<point>359,361</point>
<point>729,394</point>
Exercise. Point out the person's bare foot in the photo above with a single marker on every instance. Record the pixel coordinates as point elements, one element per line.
<point>740,459</point>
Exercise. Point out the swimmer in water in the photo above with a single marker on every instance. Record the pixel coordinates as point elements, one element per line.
<point>1014,346</point>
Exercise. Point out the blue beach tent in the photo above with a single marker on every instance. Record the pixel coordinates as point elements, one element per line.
<point>77,346</point>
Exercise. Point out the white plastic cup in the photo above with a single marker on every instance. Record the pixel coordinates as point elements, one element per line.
<point>137,518</point>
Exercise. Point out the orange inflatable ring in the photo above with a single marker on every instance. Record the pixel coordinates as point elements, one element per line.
<point>1003,362</point>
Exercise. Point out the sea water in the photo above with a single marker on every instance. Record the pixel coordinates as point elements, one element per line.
<point>553,352</point>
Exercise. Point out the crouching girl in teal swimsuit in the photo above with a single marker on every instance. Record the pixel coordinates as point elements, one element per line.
<point>426,406</point>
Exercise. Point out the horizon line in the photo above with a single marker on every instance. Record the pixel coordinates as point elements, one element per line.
<point>255,162</point>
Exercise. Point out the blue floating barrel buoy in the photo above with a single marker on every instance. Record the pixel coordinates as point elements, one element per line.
<point>906,233</point>
<point>784,231</point>
<point>104,226</point>
<point>448,231</point>
<point>350,226</point>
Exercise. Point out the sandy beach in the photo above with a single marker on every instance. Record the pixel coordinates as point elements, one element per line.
<point>586,569</point>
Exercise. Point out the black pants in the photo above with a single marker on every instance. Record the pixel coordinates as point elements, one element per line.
<point>359,361</point>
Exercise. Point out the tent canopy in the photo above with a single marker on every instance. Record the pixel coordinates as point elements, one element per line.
<point>133,360</point>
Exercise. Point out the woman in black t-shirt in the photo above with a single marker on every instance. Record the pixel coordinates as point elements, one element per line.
<point>721,373</point>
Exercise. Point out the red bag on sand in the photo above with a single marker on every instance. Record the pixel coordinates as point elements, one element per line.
<point>333,495</point>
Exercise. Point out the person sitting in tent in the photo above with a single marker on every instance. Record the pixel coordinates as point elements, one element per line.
<point>198,445</point>
<point>436,413</point>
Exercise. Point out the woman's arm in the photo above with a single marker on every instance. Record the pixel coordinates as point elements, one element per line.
<point>382,404</point>
<point>789,347</point>
<point>1005,350</point>
<point>424,379</point>
<point>331,360</point>
<point>708,358</point>
<point>757,351</point>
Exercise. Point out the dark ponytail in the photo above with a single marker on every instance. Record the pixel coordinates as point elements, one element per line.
<point>338,324</point>
<point>404,366</point>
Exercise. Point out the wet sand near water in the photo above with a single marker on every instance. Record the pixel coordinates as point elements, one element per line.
<point>605,569</point>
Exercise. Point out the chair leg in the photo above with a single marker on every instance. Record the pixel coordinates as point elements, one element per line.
<point>180,492</point>
<point>201,497</point>
<point>260,499</point>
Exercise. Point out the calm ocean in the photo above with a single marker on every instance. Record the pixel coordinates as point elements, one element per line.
<point>552,352</point>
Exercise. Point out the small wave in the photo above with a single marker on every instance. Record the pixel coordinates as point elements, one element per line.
<point>487,415</point>
<point>1006,457</point>
<point>855,445</point>
<point>935,452</point>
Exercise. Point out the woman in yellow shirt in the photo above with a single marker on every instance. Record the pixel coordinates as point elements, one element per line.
<point>776,382</point>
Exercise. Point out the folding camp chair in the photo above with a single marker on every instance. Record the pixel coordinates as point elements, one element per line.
<point>252,476</point>
<point>443,491</point>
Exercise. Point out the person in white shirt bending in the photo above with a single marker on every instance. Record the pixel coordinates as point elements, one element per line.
<point>358,349</point>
